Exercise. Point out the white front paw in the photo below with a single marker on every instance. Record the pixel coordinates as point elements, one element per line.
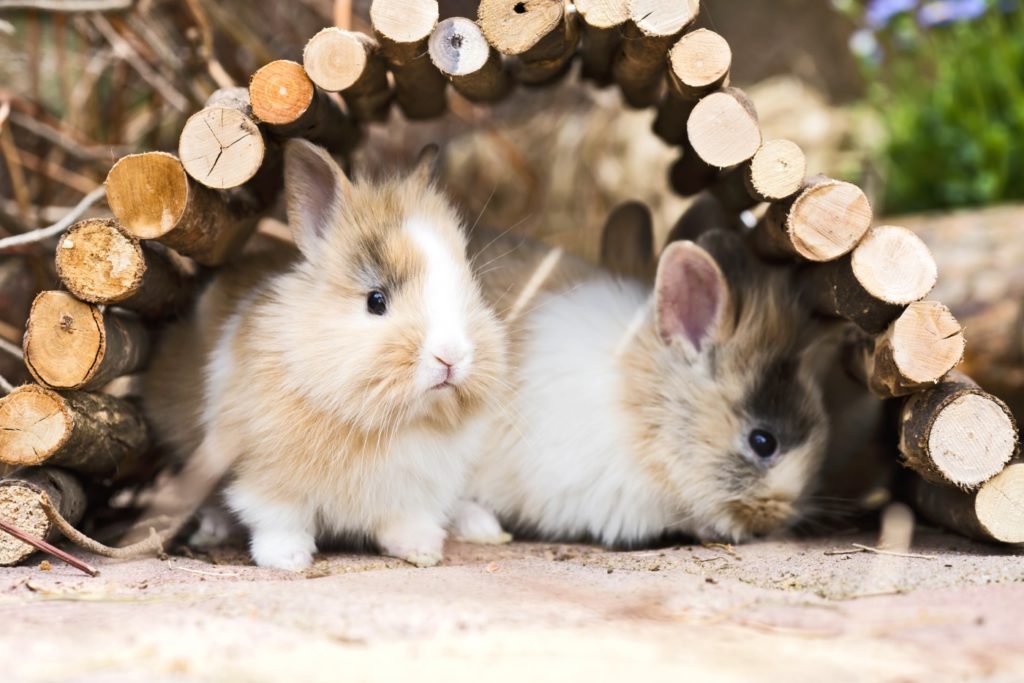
<point>291,552</point>
<point>418,542</point>
<point>476,524</point>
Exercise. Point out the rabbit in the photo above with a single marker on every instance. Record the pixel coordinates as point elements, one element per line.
<point>690,409</point>
<point>344,386</point>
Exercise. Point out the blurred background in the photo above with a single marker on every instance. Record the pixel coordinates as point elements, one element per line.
<point>921,102</point>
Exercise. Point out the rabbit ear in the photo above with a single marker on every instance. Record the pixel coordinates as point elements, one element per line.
<point>316,190</point>
<point>428,163</point>
<point>691,296</point>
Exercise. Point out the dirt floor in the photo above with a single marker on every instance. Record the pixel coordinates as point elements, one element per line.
<point>793,610</point>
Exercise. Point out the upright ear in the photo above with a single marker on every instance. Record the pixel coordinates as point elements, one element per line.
<point>316,190</point>
<point>691,296</point>
<point>428,163</point>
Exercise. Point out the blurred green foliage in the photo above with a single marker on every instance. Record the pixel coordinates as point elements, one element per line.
<point>950,96</point>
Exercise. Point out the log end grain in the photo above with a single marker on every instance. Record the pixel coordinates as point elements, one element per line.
<point>458,47</point>
<point>926,341</point>
<point>723,130</point>
<point>658,18</point>
<point>98,263</point>
<point>999,505</point>
<point>776,171</point>
<point>148,193</point>
<point>20,504</point>
<point>280,92</point>
<point>604,14</point>
<point>972,439</point>
<point>335,59</point>
<point>894,265</point>
<point>699,61</point>
<point>65,340</point>
<point>221,147</point>
<point>827,220</point>
<point>34,423</point>
<point>404,21</point>
<point>515,26</point>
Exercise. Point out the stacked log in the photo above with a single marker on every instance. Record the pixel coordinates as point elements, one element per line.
<point>349,63</point>
<point>540,36</point>
<point>460,51</point>
<point>20,506</point>
<point>402,29</point>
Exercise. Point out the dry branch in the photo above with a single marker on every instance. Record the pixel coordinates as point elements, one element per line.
<point>698,64</point>
<point>460,51</point>
<point>220,145</point>
<point>402,28</point>
<point>640,63</point>
<point>995,512</point>
<point>601,26</point>
<point>723,128</point>
<point>349,63</point>
<point>540,34</point>
<point>774,173</point>
<point>20,504</point>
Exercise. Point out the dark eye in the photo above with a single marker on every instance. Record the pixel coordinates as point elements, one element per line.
<point>376,302</point>
<point>763,443</point>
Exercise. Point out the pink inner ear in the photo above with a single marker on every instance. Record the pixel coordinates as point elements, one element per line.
<point>690,295</point>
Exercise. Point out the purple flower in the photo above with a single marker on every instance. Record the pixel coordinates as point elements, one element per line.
<point>880,12</point>
<point>950,11</point>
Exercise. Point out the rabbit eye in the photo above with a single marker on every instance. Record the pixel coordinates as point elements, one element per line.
<point>763,443</point>
<point>376,302</point>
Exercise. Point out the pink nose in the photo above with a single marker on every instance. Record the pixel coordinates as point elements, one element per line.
<point>447,366</point>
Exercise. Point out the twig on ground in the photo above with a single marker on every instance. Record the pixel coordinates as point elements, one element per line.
<point>201,572</point>
<point>726,547</point>
<point>893,553</point>
<point>49,549</point>
<point>58,227</point>
<point>153,545</point>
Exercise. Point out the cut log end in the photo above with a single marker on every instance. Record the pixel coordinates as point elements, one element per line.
<point>64,340</point>
<point>777,170</point>
<point>20,505</point>
<point>515,26</point>
<point>927,342</point>
<point>723,129</point>
<point>281,92</point>
<point>148,193</point>
<point>404,21</point>
<point>458,47</point>
<point>828,220</point>
<point>221,147</point>
<point>603,14</point>
<point>34,423</point>
<point>335,59</point>
<point>98,263</point>
<point>894,265</point>
<point>972,439</point>
<point>999,505</point>
<point>658,18</point>
<point>699,62</point>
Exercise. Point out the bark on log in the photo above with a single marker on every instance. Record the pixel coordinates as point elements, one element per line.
<point>220,145</point>
<point>70,344</point>
<point>460,51</point>
<point>689,174</point>
<point>627,241</point>
<point>995,512</point>
<point>723,128</point>
<point>640,64</point>
<point>774,173</point>
<point>822,222</point>
<point>890,268</point>
<point>100,264</point>
<point>93,433</point>
<point>349,63</point>
<point>153,198</point>
<point>601,26</point>
<point>289,103</point>
<point>698,64</point>
<point>402,28</point>
<point>20,494</point>
<point>540,34</point>
<point>703,215</point>
<point>920,347</point>
<point>956,433</point>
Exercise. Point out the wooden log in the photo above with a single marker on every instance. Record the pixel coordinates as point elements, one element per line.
<point>70,344</point>
<point>20,505</point>
<point>601,26</point>
<point>153,198</point>
<point>540,34</point>
<point>698,64</point>
<point>890,268</point>
<point>93,433</point>
<point>640,63</point>
<point>704,214</point>
<point>723,128</point>
<point>822,222</point>
<point>460,51</point>
<point>956,433</point>
<point>349,63</point>
<point>289,103</point>
<point>775,172</point>
<point>917,350</point>
<point>993,513</point>
<point>402,28</point>
<point>100,264</point>
<point>220,145</point>
<point>689,174</point>
<point>627,241</point>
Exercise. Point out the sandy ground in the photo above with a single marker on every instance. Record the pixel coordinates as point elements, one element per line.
<point>791,610</point>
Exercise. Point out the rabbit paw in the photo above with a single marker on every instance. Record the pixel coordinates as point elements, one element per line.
<point>476,524</point>
<point>289,551</point>
<point>418,542</point>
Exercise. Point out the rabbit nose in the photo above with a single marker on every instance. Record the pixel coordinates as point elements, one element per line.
<point>450,356</point>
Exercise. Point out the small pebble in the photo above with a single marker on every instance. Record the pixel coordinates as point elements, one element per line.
<point>45,566</point>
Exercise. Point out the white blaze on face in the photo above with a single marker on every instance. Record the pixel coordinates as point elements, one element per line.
<point>446,342</point>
